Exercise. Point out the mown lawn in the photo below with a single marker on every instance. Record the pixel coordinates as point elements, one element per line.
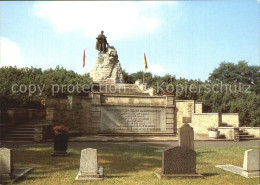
<point>127,164</point>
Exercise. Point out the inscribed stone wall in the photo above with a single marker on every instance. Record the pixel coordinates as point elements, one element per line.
<point>132,119</point>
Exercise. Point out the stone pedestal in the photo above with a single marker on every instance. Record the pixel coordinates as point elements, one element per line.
<point>61,145</point>
<point>107,68</point>
<point>89,169</point>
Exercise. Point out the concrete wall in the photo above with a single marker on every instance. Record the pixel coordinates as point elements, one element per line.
<point>231,119</point>
<point>201,122</point>
<point>227,132</point>
<point>255,131</point>
<point>105,113</point>
<point>75,112</point>
<point>198,107</point>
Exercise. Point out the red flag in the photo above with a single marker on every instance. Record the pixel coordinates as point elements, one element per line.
<point>84,58</point>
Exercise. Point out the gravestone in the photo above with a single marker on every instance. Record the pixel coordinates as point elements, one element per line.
<point>251,165</point>
<point>7,171</point>
<point>89,169</point>
<point>186,136</point>
<point>178,162</point>
<point>6,164</point>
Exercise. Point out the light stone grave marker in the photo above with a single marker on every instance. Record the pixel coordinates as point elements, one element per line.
<point>7,171</point>
<point>251,165</point>
<point>89,169</point>
<point>186,136</point>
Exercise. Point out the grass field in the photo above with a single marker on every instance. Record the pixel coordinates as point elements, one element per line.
<point>127,164</point>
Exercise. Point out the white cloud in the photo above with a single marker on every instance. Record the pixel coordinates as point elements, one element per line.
<point>10,53</point>
<point>117,19</point>
<point>156,69</point>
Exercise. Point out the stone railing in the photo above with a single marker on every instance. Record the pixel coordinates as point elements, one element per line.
<point>143,87</point>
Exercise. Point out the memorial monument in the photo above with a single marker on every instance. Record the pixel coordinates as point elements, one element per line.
<point>107,68</point>
<point>115,107</point>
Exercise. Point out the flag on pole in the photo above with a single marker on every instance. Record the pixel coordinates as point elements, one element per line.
<point>145,63</point>
<point>84,58</point>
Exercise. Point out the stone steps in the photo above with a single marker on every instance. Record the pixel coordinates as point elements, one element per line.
<point>245,136</point>
<point>242,135</point>
<point>21,132</point>
<point>24,138</point>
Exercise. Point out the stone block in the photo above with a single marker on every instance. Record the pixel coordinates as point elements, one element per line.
<point>169,126</point>
<point>170,116</point>
<point>169,120</point>
<point>169,110</point>
<point>186,119</point>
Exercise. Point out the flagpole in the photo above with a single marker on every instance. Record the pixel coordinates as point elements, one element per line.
<point>143,76</point>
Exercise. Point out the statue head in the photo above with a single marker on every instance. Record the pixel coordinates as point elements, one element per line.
<point>102,32</point>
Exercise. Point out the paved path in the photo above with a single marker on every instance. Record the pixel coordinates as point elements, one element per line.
<point>160,144</point>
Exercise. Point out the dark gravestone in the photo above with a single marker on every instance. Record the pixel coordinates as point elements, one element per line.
<point>179,160</point>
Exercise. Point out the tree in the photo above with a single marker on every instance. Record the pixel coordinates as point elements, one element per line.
<point>240,73</point>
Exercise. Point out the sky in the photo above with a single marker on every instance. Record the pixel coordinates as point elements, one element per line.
<point>188,39</point>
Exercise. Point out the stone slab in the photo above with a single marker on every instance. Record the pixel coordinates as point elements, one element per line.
<point>61,153</point>
<point>79,177</point>
<point>161,176</point>
<point>98,176</point>
<point>239,171</point>
<point>17,173</point>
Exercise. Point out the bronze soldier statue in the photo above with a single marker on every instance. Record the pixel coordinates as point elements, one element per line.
<point>101,44</point>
